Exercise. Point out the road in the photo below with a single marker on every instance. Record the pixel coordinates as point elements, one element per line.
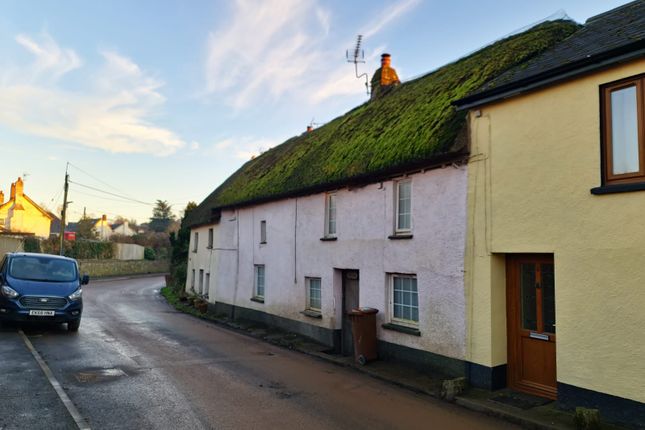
<point>136,363</point>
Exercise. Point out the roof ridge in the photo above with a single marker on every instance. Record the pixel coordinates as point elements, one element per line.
<point>611,11</point>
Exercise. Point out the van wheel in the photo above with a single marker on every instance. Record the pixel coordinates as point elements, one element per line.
<point>74,325</point>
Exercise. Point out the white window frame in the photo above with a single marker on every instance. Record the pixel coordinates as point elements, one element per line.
<point>308,280</point>
<point>329,198</point>
<point>401,321</point>
<point>256,279</point>
<point>210,238</point>
<point>196,241</point>
<point>263,232</point>
<point>398,229</point>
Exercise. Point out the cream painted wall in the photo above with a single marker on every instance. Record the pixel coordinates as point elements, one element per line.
<point>27,220</point>
<point>365,220</point>
<point>534,160</point>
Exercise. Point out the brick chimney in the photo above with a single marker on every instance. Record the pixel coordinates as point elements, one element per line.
<point>310,128</point>
<point>19,187</point>
<point>12,195</point>
<point>1,197</point>
<point>104,218</point>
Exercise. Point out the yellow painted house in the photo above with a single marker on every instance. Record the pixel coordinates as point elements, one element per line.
<point>20,214</point>
<point>555,258</point>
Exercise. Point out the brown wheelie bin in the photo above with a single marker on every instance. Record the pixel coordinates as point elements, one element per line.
<point>364,334</point>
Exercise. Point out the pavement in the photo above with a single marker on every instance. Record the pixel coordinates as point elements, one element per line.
<point>137,363</point>
<point>526,411</point>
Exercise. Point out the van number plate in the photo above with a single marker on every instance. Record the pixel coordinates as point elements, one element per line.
<point>37,313</point>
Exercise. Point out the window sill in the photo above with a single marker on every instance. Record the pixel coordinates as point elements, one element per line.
<point>257,299</point>
<point>618,188</point>
<point>400,236</point>
<point>402,329</point>
<point>328,238</point>
<point>311,314</point>
<point>263,243</point>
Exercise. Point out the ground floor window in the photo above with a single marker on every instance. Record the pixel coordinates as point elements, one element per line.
<point>404,300</point>
<point>258,290</point>
<point>313,294</point>
<point>192,281</point>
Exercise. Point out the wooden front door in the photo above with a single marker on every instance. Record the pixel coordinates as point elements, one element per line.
<point>350,301</point>
<point>530,308</point>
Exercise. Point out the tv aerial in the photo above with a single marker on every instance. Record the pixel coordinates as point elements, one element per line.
<point>356,56</point>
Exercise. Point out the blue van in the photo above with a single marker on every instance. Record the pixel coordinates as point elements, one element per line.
<point>42,288</point>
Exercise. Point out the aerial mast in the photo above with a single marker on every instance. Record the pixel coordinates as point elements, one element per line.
<point>356,56</point>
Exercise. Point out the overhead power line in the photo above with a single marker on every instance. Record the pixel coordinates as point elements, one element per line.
<point>111,194</point>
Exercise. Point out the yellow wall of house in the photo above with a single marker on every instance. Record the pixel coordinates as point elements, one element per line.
<point>28,220</point>
<point>534,160</point>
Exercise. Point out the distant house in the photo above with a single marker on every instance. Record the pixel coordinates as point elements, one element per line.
<point>20,214</point>
<point>102,227</point>
<point>122,228</point>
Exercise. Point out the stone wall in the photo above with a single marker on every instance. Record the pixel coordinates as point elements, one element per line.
<point>107,268</point>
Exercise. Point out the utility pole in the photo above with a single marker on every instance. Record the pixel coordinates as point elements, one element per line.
<point>64,212</point>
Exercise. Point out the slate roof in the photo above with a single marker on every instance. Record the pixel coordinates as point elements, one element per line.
<point>414,126</point>
<point>616,35</point>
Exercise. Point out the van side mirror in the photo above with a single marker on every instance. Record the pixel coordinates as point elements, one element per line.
<point>85,279</point>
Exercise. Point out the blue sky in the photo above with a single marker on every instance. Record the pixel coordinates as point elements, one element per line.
<point>165,99</point>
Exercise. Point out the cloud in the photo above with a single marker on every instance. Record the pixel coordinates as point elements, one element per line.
<point>274,48</point>
<point>242,148</point>
<point>49,58</point>
<point>392,13</point>
<point>111,112</point>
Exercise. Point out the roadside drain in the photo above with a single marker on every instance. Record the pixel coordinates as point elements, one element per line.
<point>99,375</point>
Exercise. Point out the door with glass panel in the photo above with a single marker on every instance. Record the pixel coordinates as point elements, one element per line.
<point>530,306</point>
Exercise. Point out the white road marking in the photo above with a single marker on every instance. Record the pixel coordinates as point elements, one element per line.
<point>76,416</point>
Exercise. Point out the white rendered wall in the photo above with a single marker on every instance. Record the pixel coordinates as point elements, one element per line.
<point>365,219</point>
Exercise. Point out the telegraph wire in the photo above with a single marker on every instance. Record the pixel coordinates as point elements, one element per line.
<point>110,193</point>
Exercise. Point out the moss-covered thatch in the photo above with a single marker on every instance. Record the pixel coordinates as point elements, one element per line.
<point>414,125</point>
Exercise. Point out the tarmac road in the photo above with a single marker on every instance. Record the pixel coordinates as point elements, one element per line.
<point>136,363</point>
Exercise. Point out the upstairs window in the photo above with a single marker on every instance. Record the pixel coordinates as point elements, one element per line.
<point>330,215</point>
<point>210,238</point>
<point>624,134</point>
<point>403,215</point>
<point>263,231</point>
<point>196,242</point>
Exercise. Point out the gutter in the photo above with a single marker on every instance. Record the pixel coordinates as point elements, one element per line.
<point>547,78</point>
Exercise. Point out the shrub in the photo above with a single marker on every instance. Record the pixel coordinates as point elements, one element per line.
<point>31,244</point>
<point>149,254</point>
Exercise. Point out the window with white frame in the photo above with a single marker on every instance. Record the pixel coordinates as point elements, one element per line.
<point>404,300</point>
<point>258,288</point>
<point>314,296</point>
<point>210,238</point>
<point>403,206</point>
<point>330,215</point>
<point>195,242</point>
<point>263,231</point>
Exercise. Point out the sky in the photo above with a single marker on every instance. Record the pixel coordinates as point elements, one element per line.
<point>153,99</point>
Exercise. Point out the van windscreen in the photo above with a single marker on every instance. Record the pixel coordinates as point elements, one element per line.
<point>42,268</point>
